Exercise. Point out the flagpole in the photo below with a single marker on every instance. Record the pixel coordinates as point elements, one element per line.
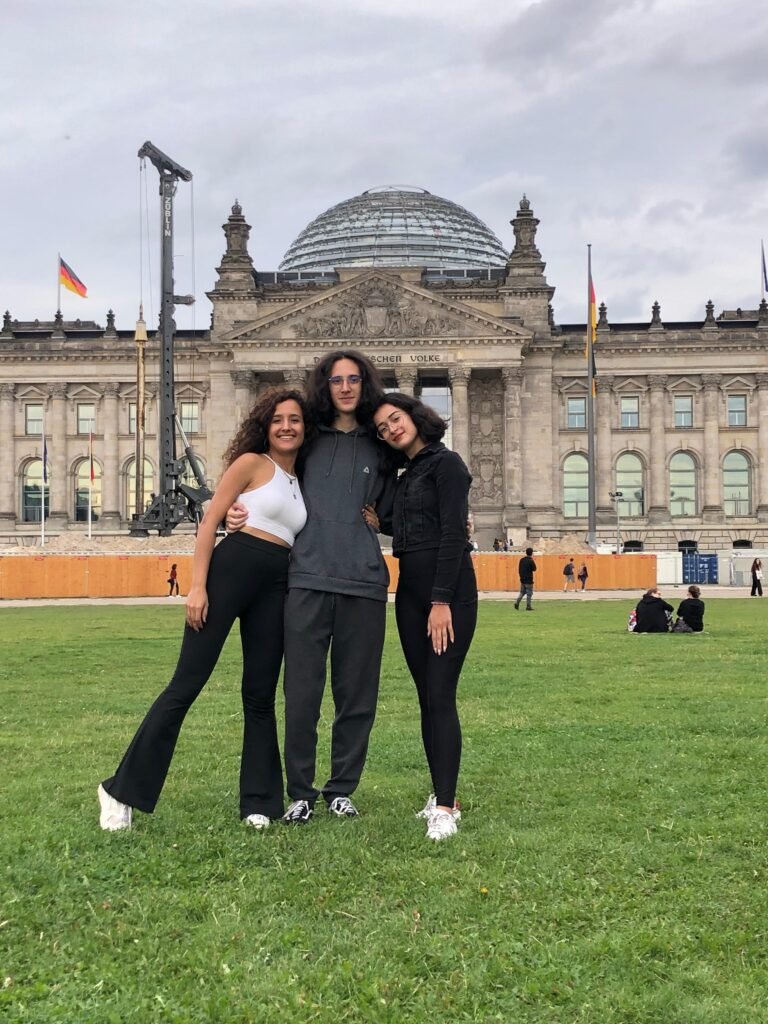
<point>42,488</point>
<point>58,283</point>
<point>591,453</point>
<point>90,480</point>
<point>762,270</point>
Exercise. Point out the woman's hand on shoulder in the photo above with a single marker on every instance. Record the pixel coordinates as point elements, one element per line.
<point>196,608</point>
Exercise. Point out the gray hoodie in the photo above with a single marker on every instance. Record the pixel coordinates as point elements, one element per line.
<point>337,551</point>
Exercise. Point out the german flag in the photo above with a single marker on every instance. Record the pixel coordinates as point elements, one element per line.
<point>70,280</point>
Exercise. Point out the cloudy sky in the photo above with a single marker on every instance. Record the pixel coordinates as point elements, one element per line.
<point>636,125</point>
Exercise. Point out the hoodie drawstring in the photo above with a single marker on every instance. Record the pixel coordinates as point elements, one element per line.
<point>333,454</point>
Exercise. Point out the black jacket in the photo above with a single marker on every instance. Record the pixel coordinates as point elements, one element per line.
<point>526,567</point>
<point>691,611</point>
<point>652,615</point>
<point>431,512</point>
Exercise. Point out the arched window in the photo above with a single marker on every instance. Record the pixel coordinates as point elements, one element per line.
<point>688,546</point>
<point>737,490</point>
<point>32,492</point>
<point>632,545</point>
<point>131,488</point>
<point>575,487</point>
<point>87,491</point>
<point>682,485</point>
<point>742,543</point>
<point>629,480</point>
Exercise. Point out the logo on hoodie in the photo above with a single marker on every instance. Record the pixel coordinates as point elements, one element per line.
<point>366,470</point>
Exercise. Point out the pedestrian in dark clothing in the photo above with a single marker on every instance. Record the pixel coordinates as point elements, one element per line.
<point>569,572</point>
<point>690,613</point>
<point>583,575</point>
<point>526,567</point>
<point>757,578</point>
<point>173,581</point>
<point>653,614</point>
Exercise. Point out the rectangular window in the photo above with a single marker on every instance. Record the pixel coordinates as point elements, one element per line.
<point>190,417</point>
<point>577,414</point>
<point>131,417</point>
<point>86,417</point>
<point>630,412</point>
<point>33,418</point>
<point>737,410</point>
<point>683,410</point>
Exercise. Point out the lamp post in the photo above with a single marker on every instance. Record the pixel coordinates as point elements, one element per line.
<point>616,497</point>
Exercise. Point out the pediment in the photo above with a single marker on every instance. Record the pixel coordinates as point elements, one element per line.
<point>684,384</point>
<point>375,306</point>
<point>738,384</point>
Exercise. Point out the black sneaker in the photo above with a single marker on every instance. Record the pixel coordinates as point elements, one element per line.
<point>517,605</point>
<point>343,807</point>
<point>298,813</point>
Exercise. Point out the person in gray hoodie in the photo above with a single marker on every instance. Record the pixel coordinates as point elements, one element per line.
<point>337,586</point>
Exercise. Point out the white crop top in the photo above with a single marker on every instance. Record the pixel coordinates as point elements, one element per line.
<point>276,507</point>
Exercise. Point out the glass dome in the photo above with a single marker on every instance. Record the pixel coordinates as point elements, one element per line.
<point>395,226</point>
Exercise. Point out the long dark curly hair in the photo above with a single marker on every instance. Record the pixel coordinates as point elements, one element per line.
<point>430,426</point>
<point>319,390</point>
<point>253,435</point>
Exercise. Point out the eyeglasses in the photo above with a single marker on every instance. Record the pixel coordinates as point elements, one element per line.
<point>353,379</point>
<point>385,429</point>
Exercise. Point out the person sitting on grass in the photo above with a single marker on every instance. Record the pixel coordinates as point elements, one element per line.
<point>653,614</point>
<point>690,613</point>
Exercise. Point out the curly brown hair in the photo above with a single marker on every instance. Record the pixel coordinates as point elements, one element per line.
<point>253,435</point>
<point>319,393</point>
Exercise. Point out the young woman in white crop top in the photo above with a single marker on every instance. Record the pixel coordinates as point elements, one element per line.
<point>245,577</point>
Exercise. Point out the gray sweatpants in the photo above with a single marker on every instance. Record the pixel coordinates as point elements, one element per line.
<point>353,629</point>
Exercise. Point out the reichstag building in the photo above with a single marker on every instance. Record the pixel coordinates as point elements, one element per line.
<point>438,303</point>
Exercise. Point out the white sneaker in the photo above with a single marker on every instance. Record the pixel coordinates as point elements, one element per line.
<point>431,804</point>
<point>114,817</point>
<point>260,821</point>
<point>441,825</point>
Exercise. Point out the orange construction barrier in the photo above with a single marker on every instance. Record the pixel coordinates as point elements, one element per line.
<point>29,576</point>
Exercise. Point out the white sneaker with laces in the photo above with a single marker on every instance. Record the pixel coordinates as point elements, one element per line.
<point>260,821</point>
<point>343,807</point>
<point>114,817</point>
<point>431,804</point>
<point>441,825</point>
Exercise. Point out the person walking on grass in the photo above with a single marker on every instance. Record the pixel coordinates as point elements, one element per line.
<point>569,572</point>
<point>173,581</point>
<point>526,568</point>
<point>436,601</point>
<point>757,578</point>
<point>245,577</point>
<point>337,587</point>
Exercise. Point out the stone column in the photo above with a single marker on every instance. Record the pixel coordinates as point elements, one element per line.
<point>459,378</point>
<point>761,379</point>
<point>243,381</point>
<point>7,455</point>
<point>557,476</point>
<point>712,510</point>
<point>407,379</point>
<point>56,428</point>
<point>110,502</point>
<point>658,502</point>
<point>514,514</point>
<point>295,378</point>
<point>605,477</point>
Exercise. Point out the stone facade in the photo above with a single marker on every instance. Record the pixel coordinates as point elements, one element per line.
<point>688,402</point>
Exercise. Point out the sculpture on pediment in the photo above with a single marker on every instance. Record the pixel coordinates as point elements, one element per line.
<point>374,310</point>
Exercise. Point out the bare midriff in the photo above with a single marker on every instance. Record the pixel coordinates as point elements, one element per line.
<point>265,536</point>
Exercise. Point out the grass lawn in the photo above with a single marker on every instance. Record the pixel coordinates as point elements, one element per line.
<point>611,865</point>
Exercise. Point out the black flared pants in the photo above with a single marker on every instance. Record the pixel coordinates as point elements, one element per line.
<point>247,579</point>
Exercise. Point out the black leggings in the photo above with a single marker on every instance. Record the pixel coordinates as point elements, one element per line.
<point>247,579</point>
<point>436,676</point>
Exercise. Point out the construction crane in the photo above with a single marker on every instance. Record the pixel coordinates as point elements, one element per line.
<point>175,501</point>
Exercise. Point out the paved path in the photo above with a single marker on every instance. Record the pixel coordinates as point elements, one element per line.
<point>671,593</point>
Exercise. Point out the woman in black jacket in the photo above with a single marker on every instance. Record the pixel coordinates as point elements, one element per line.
<point>653,614</point>
<point>436,603</point>
<point>691,612</point>
<point>757,578</point>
